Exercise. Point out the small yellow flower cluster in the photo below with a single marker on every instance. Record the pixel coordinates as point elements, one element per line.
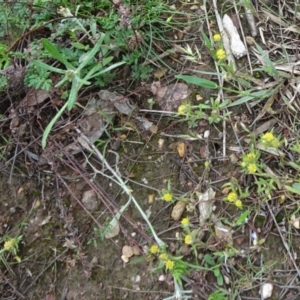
<point>154,249</point>
<point>168,262</point>
<point>250,162</point>
<point>233,198</point>
<point>164,257</point>
<point>10,245</point>
<point>269,140</point>
<point>217,37</point>
<point>185,222</point>
<point>183,109</point>
<point>220,54</point>
<point>167,196</point>
<point>188,239</point>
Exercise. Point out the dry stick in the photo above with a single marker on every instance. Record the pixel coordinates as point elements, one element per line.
<point>283,240</point>
<point>110,203</point>
<point>118,179</point>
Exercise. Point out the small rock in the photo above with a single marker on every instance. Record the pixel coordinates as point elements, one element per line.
<point>89,200</point>
<point>178,209</point>
<point>266,290</point>
<point>194,7</point>
<point>162,278</point>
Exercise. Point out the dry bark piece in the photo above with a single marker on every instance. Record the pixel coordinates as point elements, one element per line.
<point>237,47</point>
<point>171,96</point>
<point>205,204</point>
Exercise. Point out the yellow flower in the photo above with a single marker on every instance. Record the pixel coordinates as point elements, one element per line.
<point>154,249</point>
<point>275,143</point>
<point>164,257</point>
<point>220,54</point>
<point>168,197</point>
<point>232,197</point>
<point>9,245</point>
<point>249,158</point>
<point>188,239</point>
<point>217,37</point>
<point>169,264</point>
<point>183,109</point>
<point>185,221</point>
<point>267,137</point>
<point>252,168</point>
<point>238,203</point>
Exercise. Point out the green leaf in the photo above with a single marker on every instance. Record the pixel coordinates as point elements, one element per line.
<point>74,91</point>
<point>241,219</point>
<point>209,260</point>
<point>207,41</point>
<point>47,67</point>
<point>110,68</point>
<point>92,53</point>
<point>50,125</point>
<point>80,46</point>
<point>220,280</point>
<point>270,69</point>
<point>198,81</point>
<point>296,186</point>
<point>252,96</point>
<point>217,272</point>
<point>53,50</point>
<point>292,189</point>
<point>98,67</point>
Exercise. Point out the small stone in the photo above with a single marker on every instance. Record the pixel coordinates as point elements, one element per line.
<point>161,278</point>
<point>178,210</point>
<point>266,290</point>
<point>89,200</point>
<point>127,251</point>
<point>194,7</point>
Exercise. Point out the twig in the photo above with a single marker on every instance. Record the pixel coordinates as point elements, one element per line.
<point>118,179</point>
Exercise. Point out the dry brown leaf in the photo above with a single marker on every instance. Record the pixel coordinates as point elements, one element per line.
<point>171,96</point>
<point>223,232</point>
<point>34,97</point>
